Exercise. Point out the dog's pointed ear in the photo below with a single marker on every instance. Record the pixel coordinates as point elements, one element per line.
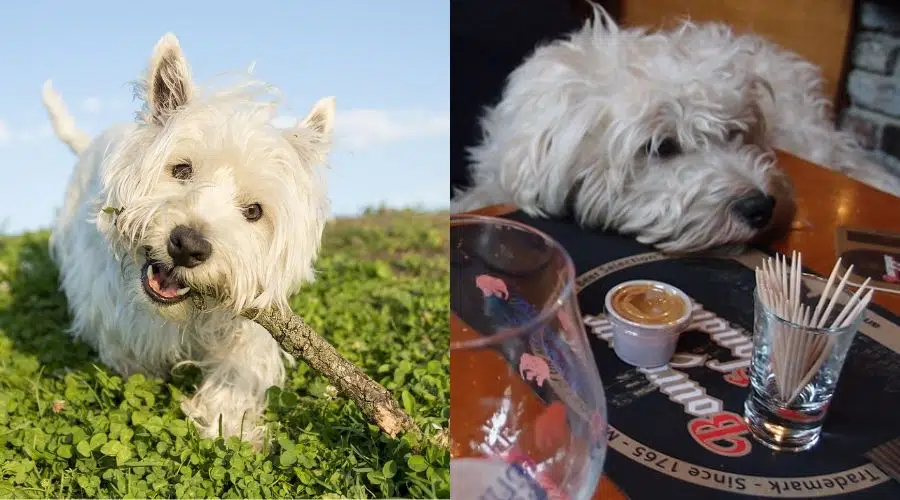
<point>169,85</point>
<point>311,138</point>
<point>321,119</point>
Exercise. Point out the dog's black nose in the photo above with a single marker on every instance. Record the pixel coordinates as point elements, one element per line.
<point>188,247</point>
<point>756,209</point>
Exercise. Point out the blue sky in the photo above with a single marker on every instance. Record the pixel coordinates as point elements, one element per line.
<point>387,63</point>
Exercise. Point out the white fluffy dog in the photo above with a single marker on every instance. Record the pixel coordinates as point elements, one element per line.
<point>200,195</point>
<point>666,136</point>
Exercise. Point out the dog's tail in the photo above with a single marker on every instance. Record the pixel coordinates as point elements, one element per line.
<point>64,123</point>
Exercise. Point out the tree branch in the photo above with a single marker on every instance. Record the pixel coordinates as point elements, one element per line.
<point>302,342</point>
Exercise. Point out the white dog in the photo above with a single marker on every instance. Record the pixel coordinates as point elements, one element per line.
<point>200,195</point>
<point>666,136</point>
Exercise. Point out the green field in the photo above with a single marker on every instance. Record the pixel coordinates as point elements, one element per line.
<point>71,428</point>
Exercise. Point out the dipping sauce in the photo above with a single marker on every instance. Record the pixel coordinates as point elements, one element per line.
<point>649,304</point>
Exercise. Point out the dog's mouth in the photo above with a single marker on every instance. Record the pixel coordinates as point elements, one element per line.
<point>160,285</point>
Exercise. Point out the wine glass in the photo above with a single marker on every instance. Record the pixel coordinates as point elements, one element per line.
<point>528,411</point>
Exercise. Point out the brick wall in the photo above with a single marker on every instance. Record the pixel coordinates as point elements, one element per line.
<point>873,84</point>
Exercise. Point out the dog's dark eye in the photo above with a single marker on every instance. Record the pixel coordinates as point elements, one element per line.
<point>667,148</point>
<point>182,171</point>
<point>734,134</point>
<point>252,212</point>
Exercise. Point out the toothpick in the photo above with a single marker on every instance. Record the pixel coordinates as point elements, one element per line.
<point>797,354</point>
<point>834,272</point>
<point>811,372</point>
<point>806,317</point>
<point>767,273</point>
<point>859,309</point>
<point>850,306</point>
<point>795,284</point>
<point>834,297</point>
<point>782,271</point>
<point>771,275</point>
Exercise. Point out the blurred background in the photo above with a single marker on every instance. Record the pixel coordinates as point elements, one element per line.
<point>386,62</point>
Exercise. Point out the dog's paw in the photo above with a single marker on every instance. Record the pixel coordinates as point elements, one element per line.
<point>211,424</point>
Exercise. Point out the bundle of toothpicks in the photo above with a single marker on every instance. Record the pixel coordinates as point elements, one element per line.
<point>797,349</point>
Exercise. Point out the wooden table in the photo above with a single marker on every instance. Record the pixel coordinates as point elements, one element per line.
<point>825,201</point>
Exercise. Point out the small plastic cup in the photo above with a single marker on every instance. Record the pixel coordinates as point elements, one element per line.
<point>646,345</point>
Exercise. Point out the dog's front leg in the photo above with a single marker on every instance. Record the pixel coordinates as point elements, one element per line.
<point>237,372</point>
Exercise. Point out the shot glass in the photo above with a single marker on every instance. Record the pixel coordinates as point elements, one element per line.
<point>794,371</point>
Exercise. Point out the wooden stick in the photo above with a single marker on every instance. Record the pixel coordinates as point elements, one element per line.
<point>797,353</point>
<point>302,342</point>
<point>859,309</point>
<point>782,272</point>
<point>812,370</point>
<point>850,306</point>
<point>795,285</point>
<point>781,338</point>
<point>834,296</point>
<point>765,294</point>
<point>824,296</point>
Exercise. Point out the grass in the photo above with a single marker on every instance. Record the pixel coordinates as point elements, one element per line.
<point>71,428</point>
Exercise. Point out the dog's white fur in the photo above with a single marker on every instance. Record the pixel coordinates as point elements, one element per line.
<point>572,127</point>
<point>238,158</point>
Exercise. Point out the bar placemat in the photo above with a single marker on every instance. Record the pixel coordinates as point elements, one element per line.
<point>679,429</point>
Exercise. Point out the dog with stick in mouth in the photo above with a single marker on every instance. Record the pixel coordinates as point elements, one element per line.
<point>201,194</point>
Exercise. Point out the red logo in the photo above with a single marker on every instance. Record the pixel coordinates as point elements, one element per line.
<point>721,434</point>
<point>797,416</point>
<point>738,377</point>
<point>516,456</point>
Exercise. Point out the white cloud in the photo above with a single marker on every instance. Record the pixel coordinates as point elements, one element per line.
<point>361,128</point>
<point>92,105</point>
<point>284,122</point>
<point>355,129</point>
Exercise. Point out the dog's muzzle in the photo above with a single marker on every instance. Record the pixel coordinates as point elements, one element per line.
<point>188,247</point>
<point>160,285</point>
<point>755,209</point>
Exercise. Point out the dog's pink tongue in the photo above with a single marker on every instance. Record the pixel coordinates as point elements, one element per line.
<point>161,284</point>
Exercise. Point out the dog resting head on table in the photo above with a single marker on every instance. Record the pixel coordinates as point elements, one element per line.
<point>201,194</point>
<point>667,136</point>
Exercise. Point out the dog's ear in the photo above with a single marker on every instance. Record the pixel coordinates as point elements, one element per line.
<point>764,99</point>
<point>168,84</point>
<point>311,138</point>
<point>763,89</point>
<point>321,119</point>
